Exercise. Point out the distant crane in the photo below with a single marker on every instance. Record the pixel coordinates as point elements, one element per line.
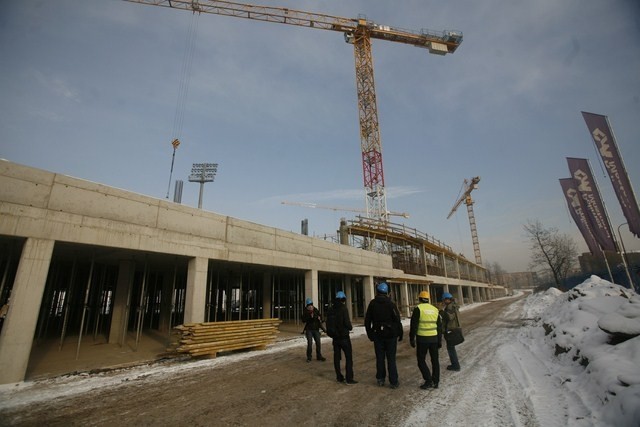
<point>466,198</point>
<point>339,208</point>
<point>359,32</point>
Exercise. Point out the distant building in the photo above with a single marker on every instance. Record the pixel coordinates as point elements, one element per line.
<point>590,264</point>
<point>520,280</point>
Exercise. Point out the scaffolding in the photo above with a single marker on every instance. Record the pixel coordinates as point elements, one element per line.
<point>411,250</point>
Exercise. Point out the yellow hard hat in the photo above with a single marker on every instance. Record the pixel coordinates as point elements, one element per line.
<point>423,295</point>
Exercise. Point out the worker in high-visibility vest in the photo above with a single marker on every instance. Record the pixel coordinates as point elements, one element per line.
<point>425,335</point>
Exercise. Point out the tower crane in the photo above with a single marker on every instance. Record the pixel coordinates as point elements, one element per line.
<point>339,208</point>
<point>469,186</point>
<point>359,32</point>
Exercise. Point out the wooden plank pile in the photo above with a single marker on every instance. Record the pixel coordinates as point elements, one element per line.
<point>208,339</point>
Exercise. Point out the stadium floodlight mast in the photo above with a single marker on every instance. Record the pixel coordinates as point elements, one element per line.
<point>203,172</point>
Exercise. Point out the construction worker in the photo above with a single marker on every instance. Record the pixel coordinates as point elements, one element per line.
<point>452,329</point>
<point>425,334</point>
<point>338,328</point>
<point>312,325</point>
<point>384,329</point>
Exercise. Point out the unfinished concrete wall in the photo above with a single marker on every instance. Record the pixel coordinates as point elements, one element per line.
<point>36,203</point>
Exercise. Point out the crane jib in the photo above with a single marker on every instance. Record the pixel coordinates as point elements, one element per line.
<point>358,32</point>
<point>439,42</point>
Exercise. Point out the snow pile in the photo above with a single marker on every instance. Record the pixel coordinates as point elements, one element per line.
<point>588,338</point>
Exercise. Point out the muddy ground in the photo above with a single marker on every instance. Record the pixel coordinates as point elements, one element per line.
<point>276,388</point>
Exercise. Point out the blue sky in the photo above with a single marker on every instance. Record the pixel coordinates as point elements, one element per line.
<point>90,89</point>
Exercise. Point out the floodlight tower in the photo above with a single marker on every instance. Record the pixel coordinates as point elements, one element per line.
<point>203,172</point>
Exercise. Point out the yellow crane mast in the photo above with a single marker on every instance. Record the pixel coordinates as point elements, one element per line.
<point>359,32</point>
<point>468,187</point>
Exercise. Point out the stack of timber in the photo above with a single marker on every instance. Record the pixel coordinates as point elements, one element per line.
<point>208,339</point>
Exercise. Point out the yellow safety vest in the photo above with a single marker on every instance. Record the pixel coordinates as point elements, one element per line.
<point>427,326</point>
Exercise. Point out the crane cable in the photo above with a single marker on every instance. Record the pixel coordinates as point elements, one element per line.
<point>183,89</point>
<point>185,76</point>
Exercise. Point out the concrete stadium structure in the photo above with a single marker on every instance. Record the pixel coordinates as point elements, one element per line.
<point>81,259</point>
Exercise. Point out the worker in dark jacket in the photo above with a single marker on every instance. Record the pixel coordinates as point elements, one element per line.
<point>338,328</point>
<point>312,325</point>
<point>384,329</point>
<point>451,325</point>
<point>426,333</point>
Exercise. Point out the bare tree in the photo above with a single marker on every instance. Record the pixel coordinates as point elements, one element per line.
<point>557,252</point>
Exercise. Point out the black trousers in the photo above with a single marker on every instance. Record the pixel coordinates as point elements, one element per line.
<point>422,348</point>
<point>386,349</point>
<point>341,345</point>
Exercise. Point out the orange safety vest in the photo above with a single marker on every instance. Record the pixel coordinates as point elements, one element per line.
<point>427,325</point>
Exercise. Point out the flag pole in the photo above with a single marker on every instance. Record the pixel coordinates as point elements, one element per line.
<point>623,255</point>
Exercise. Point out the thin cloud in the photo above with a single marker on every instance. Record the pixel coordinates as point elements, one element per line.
<point>57,86</point>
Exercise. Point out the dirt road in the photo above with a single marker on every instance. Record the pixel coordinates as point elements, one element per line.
<point>265,388</point>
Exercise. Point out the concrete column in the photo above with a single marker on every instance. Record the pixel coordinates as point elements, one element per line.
<point>348,290</point>
<point>470,290</point>
<point>26,297</point>
<point>444,265</point>
<point>369,291</point>
<point>423,256</point>
<point>311,286</point>
<point>119,316</point>
<point>458,295</point>
<point>349,294</point>
<point>266,295</point>
<point>165,303</point>
<point>196,296</point>
<point>404,303</point>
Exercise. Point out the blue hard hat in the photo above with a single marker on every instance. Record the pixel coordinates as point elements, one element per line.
<point>309,301</point>
<point>447,295</point>
<point>383,288</point>
<point>340,295</point>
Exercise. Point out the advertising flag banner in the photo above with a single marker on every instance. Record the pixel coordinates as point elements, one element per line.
<point>602,135</point>
<point>592,203</point>
<point>570,190</point>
